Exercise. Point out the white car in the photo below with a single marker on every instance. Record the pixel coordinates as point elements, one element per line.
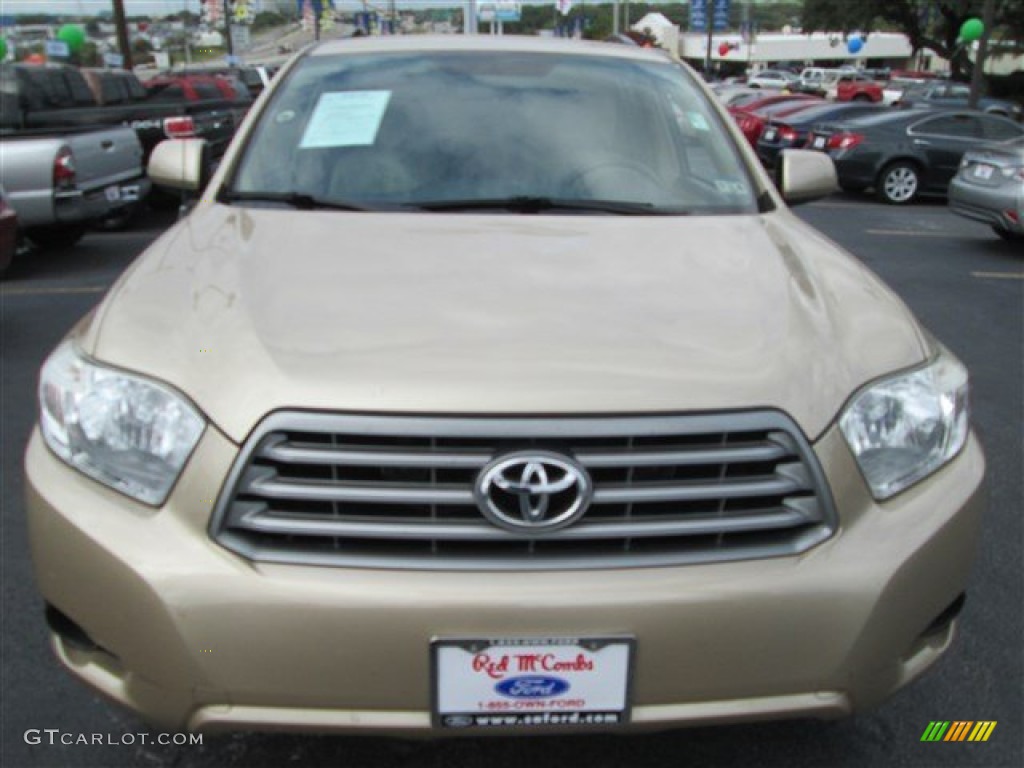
<point>773,78</point>
<point>811,78</point>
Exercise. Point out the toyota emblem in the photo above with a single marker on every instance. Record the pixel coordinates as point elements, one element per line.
<point>533,491</point>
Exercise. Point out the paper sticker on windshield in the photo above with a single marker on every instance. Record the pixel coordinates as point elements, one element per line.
<point>699,122</point>
<point>346,119</point>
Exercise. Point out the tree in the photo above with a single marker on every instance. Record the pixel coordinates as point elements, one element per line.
<point>268,19</point>
<point>928,24</point>
<point>88,56</point>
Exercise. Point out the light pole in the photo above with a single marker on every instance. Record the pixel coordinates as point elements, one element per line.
<point>184,24</point>
<point>711,31</point>
<point>227,26</point>
<point>988,12</point>
<point>122,33</point>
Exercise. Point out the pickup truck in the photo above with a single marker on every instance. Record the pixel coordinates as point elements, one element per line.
<point>57,96</point>
<point>854,87</point>
<point>59,182</point>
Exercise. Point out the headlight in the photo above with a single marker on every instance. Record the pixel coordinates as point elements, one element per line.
<point>129,433</point>
<point>904,428</point>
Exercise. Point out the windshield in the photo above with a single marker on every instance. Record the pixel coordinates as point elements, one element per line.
<point>417,131</point>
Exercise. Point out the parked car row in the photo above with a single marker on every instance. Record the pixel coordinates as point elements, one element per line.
<point>899,154</point>
<point>74,142</point>
<point>58,96</point>
<point>903,154</point>
<point>946,94</point>
<point>890,87</point>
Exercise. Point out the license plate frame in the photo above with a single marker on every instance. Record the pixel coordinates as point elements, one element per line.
<point>465,694</point>
<point>819,142</point>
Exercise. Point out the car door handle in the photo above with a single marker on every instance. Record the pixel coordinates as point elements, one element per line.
<point>922,142</point>
<point>106,143</point>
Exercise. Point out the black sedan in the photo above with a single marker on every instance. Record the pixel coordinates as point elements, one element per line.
<point>791,131</point>
<point>906,153</point>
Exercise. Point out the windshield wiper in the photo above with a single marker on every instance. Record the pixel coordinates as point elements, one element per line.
<point>531,204</point>
<point>299,200</point>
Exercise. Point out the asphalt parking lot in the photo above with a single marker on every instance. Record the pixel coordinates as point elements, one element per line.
<point>967,287</point>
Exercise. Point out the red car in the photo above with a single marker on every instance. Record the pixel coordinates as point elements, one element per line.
<point>763,100</point>
<point>752,121</point>
<point>191,88</point>
<point>8,233</point>
<point>188,88</point>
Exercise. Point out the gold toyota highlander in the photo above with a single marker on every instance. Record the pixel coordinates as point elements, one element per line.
<point>491,386</point>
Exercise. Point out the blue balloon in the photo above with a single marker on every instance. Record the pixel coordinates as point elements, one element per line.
<point>854,44</point>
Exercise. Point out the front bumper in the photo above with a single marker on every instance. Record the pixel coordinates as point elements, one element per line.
<point>191,635</point>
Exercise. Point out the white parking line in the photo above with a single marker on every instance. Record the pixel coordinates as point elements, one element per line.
<point>53,291</point>
<point>907,232</point>
<point>999,275</point>
<point>841,205</point>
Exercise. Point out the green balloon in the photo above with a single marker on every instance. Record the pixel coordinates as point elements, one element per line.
<point>73,35</point>
<point>3,49</point>
<point>971,30</point>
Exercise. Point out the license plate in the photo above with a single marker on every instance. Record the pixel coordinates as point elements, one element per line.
<point>113,193</point>
<point>982,171</point>
<point>769,135</point>
<point>531,682</point>
<point>819,142</point>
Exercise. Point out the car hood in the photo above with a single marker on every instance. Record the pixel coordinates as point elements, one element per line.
<point>251,310</point>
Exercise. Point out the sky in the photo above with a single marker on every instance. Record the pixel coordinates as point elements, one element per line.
<point>163,7</point>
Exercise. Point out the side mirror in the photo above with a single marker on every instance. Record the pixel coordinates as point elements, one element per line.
<point>180,164</point>
<point>806,175</point>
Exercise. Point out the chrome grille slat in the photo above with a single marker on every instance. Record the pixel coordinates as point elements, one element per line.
<point>601,459</point>
<point>289,454</point>
<point>638,494</point>
<point>367,493</point>
<point>376,491</point>
<point>268,522</point>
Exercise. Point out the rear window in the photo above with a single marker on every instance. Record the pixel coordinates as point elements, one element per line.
<point>48,88</point>
<point>112,94</point>
<point>81,93</point>
<point>998,129</point>
<point>166,92</point>
<point>441,126</point>
<point>135,89</point>
<point>207,91</point>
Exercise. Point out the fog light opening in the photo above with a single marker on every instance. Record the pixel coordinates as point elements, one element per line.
<point>70,632</point>
<point>941,622</point>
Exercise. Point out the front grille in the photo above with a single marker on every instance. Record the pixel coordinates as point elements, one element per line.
<point>397,492</point>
